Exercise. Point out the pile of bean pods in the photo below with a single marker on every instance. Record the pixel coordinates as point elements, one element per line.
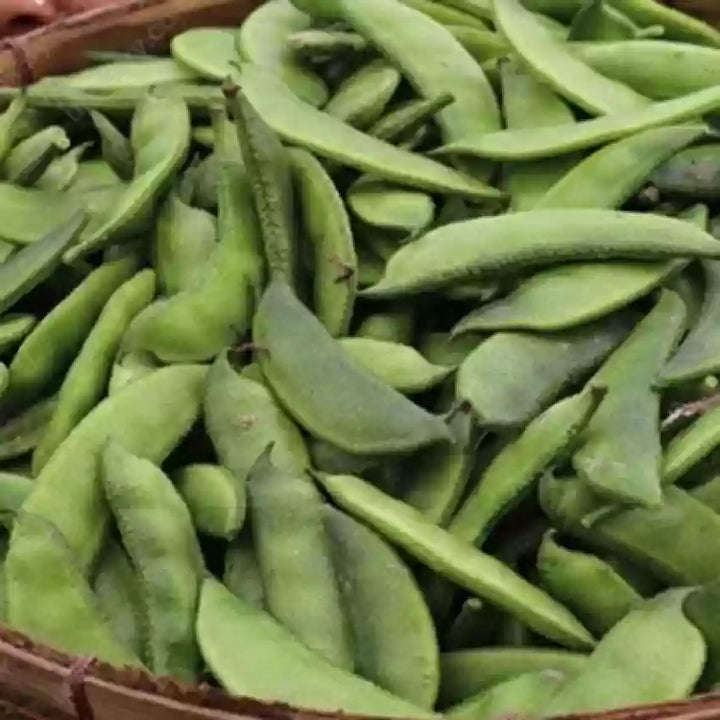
<point>364,357</point>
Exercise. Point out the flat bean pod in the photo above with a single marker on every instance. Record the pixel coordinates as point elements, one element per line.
<point>262,40</point>
<point>504,244</point>
<point>621,455</point>
<point>690,446</point>
<point>158,533</point>
<point>22,433</point>
<point>512,472</point>
<point>590,587</point>
<point>458,561</point>
<point>116,148</point>
<point>207,52</point>
<point>654,654</point>
<point>327,227</point>
<point>536,143</point>
<point>272,665</point>
<point>88,376</point>
<point>301,124</point>
<point>350,408</point>
<point>243,418</point>
<point>511,377</point>
<point>150,417</point>
<point>241,574</point>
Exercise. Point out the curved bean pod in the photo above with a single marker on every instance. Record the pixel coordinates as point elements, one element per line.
<point>243,418</point>
<point>54,343</point>
<point>21,433</point>
<point>215,498</point>
<point>536,143</point>
<point>28,160</point>
<point>272,665</point>
<point>461,563</point>
<point>654,654</point>
<point>621,455</point>
<point>327,228</point>
<point>394,637</point>
<point>556,65</point>
<point>262,40</point>
<point>115,147</point>
<point>515,468</point>
<point>691,446</point>
<point>299,123</point>
<point>294,557</point>
<point>505,244</point>
<point>159,536</point>
<point>41,565</point>
<point>160,138</point>
<point>590,587</point>
<point>87,378</point>
<point>207,52</point>
<point>350,408</point>
<point>511,377</point>
<point>150,417</point>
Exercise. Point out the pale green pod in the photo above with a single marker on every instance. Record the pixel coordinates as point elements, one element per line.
<point>511,377</point>
<point>215,498</point>
<point>271,665</point>
<point>512,472</point>
<point>128,368</point>
<point>383,205</point>
<point>350,408</point>
<point>521,695</point>
<point>117,588</point>
<point>293,550</point>
<point>263,40</point>
<point>208,52</point>
<point>158,533</point>
<point>394,637</point>
<point>399,366</point>
<point>527,102</point>
<point>115,147</point>
<point>621,455</point>
<point>29,159</point>
<point>241,574</point>
<point>327,229</point>
<point>655,654</point>
<point>62,171</point>
<point>361,98</point>
<point>589,586</point>
<point>242,418</point>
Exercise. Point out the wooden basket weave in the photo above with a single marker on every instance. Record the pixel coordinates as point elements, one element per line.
<point>37,683</point>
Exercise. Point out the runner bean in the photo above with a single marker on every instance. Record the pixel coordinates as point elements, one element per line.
<point>350,408</point>
<point>157,531</point>
<point>510,243</point>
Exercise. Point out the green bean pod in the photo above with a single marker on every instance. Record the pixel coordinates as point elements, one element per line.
<point>241,573</point>
<point>294,557</point>
<point>88,376</point>
<point>654,654</point>
<point>62,171</point>
<point>115,147</point>
<point>675,540</point>
<point>50,349</point>
<point>117,588</point>
<point>329,395</point>
<point>215,498</point>
<point>401,122</point>
<point>262,40</point>
<point>590,587</point>
<point>22,433</point>
<point>150,418</point>
<point>208,52</point>
<point>521,695</point>
<point>514,469</point>
<point>469,672</point>
<point>28,160</point>
<point>158,533</point>
<point>301,124</point>
<point>160,138</point>
<point>272,665</point>
<point>185,239</point>
<point>621,455</point>
<point>492,246</point>
<point>243,418</point>
<point>690,446</point>
<point>394,637</point>
<point>44,564</point>
<point>362,97</point>
<point>511,377</point>
<point>327,227</point>
<point>542,142</point>
<point>527,102</point>
<point>456,560</point>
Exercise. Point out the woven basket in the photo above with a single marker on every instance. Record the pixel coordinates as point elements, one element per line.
<point>37,683</point>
